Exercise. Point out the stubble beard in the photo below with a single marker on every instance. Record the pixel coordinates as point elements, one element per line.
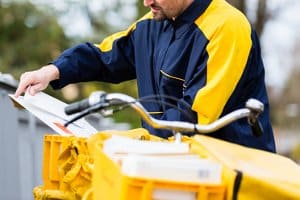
<point>160,16</point>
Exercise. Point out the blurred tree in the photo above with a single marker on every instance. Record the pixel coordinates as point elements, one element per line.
<point>28,39</point>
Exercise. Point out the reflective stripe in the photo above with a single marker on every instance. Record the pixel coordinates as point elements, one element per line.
<point>170,76</point>
<point>155,113</point>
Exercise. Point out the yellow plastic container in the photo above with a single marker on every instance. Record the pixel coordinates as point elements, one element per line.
<point>68,164</point>
<point>67,168</point>
<point>53,146</point>
<point>109,183</point>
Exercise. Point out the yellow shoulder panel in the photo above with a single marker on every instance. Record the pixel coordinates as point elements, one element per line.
<point>229,35</point>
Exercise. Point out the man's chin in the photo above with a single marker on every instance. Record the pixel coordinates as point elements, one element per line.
<point>158,16</point>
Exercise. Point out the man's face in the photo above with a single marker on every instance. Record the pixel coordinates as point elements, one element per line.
<point>166,9</point>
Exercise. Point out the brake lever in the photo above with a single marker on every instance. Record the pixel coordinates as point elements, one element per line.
<point>97,107</point>
<point>256,108</point>
<point>257,128</point>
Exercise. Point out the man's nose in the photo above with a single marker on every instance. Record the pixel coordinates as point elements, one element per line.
<point>147,3</point>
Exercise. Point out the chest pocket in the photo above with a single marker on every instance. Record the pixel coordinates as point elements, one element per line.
<point>171,85</point>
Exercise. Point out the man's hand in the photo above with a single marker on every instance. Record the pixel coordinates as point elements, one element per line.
<point>38,80</point>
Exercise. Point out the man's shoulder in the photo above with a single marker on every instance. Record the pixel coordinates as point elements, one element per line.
<point>221,15</point>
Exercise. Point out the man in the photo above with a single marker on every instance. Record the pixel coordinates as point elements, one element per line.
<point>202,52</point>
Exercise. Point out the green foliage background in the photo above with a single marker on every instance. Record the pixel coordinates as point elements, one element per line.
<point>28,38</point>
<point>31,37</point>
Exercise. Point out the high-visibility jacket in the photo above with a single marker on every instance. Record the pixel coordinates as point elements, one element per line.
<point>208,57</point>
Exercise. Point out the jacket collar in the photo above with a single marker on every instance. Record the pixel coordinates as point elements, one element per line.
<point>195,10</point>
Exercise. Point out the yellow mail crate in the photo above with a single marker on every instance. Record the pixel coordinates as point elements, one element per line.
<point>68,164</point>
<point>109,183</point>
<point>67,168</point>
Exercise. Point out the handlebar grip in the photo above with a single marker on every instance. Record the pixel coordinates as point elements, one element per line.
<point>77,107</point>
<point>257,128</point>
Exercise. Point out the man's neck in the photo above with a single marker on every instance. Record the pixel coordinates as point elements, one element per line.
<point>187,3</point>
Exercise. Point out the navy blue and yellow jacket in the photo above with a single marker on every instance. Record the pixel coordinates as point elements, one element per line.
<point>209,57</point>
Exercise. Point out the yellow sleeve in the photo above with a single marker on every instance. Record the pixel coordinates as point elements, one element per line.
<point>229,35</point>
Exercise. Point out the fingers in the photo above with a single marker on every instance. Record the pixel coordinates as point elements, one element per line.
<point>25,82</point>
<point>36,81</point>
<point>32,90</point>
<point>31,82</point>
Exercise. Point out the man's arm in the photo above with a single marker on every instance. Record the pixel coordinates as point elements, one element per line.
<point>88,62</point>
<point>85,62</point>
<point>110,61</point>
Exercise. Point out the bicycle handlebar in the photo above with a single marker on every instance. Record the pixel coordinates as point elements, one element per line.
<point>101,100</point>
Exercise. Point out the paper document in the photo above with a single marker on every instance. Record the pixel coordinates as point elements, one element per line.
<point>161,160</point>
<point>124,145</point>
<point>188,169</point>
<point>51,111</point>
